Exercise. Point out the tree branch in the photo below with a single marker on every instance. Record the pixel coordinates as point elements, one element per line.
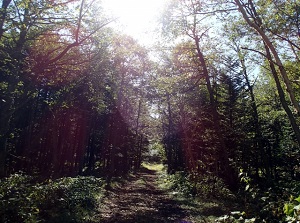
<point>216,11</point>
<point>256,51</point>
<point>77,43</point>
<point>274,52</point>
<point>285,39</point>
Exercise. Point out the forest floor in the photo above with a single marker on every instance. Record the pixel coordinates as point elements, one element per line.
<point>142,199</point>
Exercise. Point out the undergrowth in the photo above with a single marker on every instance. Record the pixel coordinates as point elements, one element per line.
<point>63,200</point>
<point>195,185</point>
<point>279,202</point>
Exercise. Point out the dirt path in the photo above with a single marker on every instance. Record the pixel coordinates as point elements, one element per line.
<point>139,200</point>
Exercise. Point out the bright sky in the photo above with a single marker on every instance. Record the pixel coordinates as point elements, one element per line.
<point>137,17</point>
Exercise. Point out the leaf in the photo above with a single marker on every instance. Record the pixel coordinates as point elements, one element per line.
<point>297,208</point>
<point>247,187</point>
<point>264,198</point>
<point>290,219</point>
<point>297,199</point>
<point>288,209</point>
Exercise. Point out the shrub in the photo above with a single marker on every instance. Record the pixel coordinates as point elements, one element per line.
<point>275,203</point>
<point>196,185</point>
<point>210,186</point>
<point>292,210</point>
<point>63,200</point>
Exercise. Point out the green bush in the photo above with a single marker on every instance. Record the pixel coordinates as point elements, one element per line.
<point>197,185</point>
<point>15,203</point>
<point>274,203</point>
<point>62,200</point>
<point>179,181</point>
<point>291,210</point>
<point>210,186</point>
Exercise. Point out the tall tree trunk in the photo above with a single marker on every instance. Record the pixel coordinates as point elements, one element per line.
<point>168,148</point>
<point>282,96</point>
<point>2,156</point>
<point>221,147</point>
<point>257,130</point>
<point>257,25</point>
<point>112,128</point>
<point>6,122</point>
<point>9,107</point>
<point>139,136</point>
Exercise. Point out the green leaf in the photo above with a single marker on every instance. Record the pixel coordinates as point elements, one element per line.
<point>247,187</point>
<point>288,209</point>
<point>297,199</point>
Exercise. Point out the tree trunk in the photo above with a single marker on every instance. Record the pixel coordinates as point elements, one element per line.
<point>168,138</point>
<point>257,26</point>
<point>221,148</point>
<point>282,96</point>
<point>2,157</point>
<point>257,134</point>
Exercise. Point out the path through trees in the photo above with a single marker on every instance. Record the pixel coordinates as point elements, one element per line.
<point>141,199</point>
<point>216,99</point>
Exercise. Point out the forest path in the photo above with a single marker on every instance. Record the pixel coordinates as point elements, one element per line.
<point>140,200</point>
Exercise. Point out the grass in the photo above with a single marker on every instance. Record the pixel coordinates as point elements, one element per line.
<point>142,182</point>
<point>158,167</point>
<point>199,209</point>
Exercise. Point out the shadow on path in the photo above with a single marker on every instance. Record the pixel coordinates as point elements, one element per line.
<point>140,201</point>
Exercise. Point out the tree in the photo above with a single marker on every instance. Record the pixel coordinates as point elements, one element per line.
<point>22,55</point>
<point>187,19</point>
<point>254,20</point>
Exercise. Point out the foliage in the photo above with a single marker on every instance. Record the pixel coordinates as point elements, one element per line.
<point>155,154</point>
<point>196,185</point>
<point>269,202</point>
<point>63,200</point>
<point>291,210</point>
<point>211,186</point>
<point>71,93</point>
<point>158,167</point>
<point>80,98</point>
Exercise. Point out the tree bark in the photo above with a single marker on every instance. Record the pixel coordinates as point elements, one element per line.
<point>282,96</point>
<point>221,148</point>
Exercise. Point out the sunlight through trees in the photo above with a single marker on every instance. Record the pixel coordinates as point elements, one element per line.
<point>208,89</point>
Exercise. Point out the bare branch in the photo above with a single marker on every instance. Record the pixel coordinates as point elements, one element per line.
<point>216,11</point>
<point>285,39</point>
<point>79,22</point>
<point>77,43</point>
<point>256,51</point>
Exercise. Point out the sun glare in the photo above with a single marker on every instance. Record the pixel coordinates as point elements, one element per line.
<point>136,17</point>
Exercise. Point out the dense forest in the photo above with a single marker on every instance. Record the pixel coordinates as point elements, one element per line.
<point>216,98</point>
